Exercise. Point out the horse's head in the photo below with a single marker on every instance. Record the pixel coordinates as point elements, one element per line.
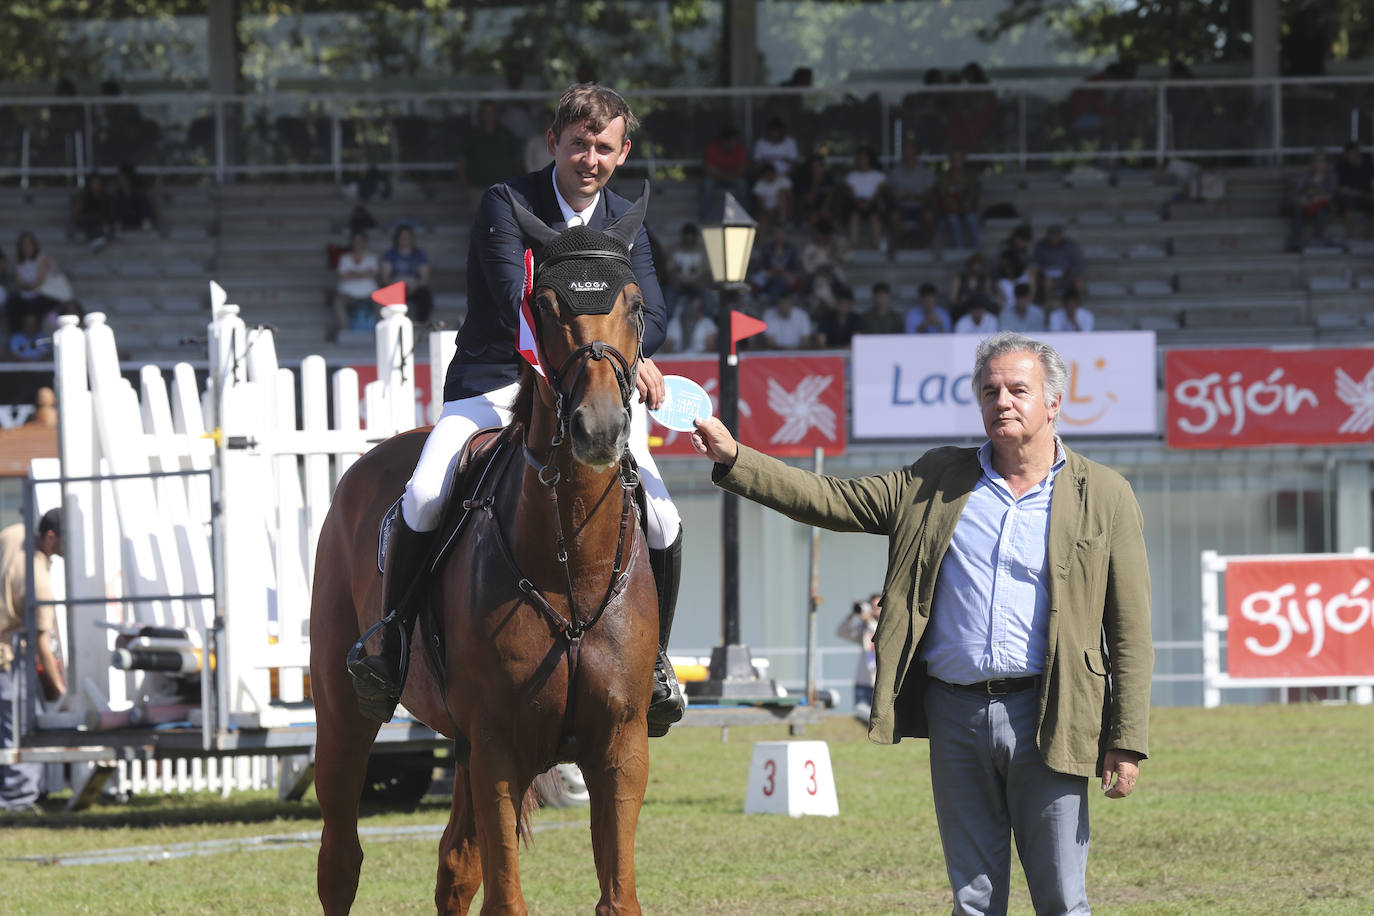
<point>588,314</point>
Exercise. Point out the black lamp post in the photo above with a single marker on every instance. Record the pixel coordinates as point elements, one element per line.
<point>728,246</point>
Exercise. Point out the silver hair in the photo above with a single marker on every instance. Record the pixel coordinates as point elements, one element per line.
<point>1051,363</point>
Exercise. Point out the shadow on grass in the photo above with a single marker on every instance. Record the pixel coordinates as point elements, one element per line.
<point>190,810</point>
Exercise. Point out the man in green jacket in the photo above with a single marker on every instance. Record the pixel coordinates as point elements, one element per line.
<point>1016,631</point>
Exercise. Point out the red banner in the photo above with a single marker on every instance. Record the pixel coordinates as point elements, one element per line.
<point>1300,617</point>
<point>1262,396</point>
<point>788,405</point>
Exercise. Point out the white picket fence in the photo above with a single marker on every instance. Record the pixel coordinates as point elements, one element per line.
<point>146,542</point>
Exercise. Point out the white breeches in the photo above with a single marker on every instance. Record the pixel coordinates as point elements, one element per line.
<point>423,503</point>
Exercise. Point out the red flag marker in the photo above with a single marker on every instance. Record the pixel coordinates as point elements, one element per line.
<point>742,326</point>
<point>395,294</point>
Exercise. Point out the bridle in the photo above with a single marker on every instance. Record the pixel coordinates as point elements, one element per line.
<point>563,383</point>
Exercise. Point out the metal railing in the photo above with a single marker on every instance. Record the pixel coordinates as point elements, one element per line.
<point>1024,123</point>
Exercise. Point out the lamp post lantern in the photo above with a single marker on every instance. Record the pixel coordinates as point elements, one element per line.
<point>728,246</point>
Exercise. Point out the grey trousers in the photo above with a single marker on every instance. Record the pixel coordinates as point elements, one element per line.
<point>989,783</point>
<point>20,783</point>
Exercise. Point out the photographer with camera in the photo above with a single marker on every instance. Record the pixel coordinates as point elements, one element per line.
<point>859,627</point>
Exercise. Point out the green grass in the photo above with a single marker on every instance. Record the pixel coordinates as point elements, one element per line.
<point>1246,810</point>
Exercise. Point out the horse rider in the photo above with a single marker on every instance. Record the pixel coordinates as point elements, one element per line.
<point>589,139</point>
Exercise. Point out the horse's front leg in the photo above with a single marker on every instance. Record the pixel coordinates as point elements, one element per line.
<point>616,781</point>
<point>460,859</point>
<point>496,795</point>
<point>341,753</point>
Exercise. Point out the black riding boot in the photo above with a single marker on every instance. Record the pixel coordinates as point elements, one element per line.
<point>667,705</point>
<point>378,679</point>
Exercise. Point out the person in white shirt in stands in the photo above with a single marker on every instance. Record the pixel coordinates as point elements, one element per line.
<point>1072,317</point>
<point>867,189</point>
<point>777,147</point>
<point>1023,316</point>
<point>773,195</point>
<point>691,330</point>
<point>357,272</point>
<point>789,328</point>
<point>979,319</point>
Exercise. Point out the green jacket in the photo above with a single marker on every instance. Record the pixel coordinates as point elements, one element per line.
<point>1095,693</point>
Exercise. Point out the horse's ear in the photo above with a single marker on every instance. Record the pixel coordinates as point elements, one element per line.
<point>532,226</point>
<point>626,226</point>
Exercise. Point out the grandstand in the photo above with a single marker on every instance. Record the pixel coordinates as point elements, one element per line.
<point>1195,272</point>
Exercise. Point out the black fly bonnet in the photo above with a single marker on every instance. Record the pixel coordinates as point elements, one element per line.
<point>586,269</point>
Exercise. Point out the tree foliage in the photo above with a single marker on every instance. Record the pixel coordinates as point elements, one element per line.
<point>1201,31</point>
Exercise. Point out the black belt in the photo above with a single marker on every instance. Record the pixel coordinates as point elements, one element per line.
<point>1000,686</point>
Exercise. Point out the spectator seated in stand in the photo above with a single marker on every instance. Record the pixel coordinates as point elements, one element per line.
<point>1312,203</point>
<point>911,184</point>
<point>822,261</point>
<point>1071,316</point>
<point>980,316</point>
<point>93,212</point>
<point>958,194</point>
<point>773,196</point>
<point>1023,315</point>
<point>789,327</point>
<point>691,329</point>
<point>1355,188</point>
<point>688,270</point>
<point>30,343</point>
<point>405,263</point>
<point>837,325</point>
<point>777,266</point>
<point>881,317</point>
<point>927,316</point>
<point>490,153</point>
<point>4,281</point>
<point>1016,264</point>
<point>815,192</point>
<point>777,147</point>
<point>972,278</point>
<point>132,204</point>
<point>725,167</point>
<point>1059,261</point>
<point>866,198</point>
<point>352,300</point>
<point>37,283</point>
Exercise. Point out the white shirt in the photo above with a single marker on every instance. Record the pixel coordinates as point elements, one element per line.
<point>967,325</point>
<point>865,184</point>
<point>583,217</point>
<point>789,332</point>
<point>769,191</point>
<point>1059,320</point>
<point>703,329</point>
<point>358,287</point>
<point>783,154</point>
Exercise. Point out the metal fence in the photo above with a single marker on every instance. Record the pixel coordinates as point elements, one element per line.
<point>331,135</point>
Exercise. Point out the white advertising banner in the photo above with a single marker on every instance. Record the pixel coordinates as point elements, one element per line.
<point>919,386</point>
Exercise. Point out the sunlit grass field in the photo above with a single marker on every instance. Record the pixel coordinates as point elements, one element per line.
<point>1252,810</point>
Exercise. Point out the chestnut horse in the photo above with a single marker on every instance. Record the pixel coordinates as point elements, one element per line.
<point>545,605</point>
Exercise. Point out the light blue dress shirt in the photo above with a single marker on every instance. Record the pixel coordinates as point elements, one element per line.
<point>992,598</point>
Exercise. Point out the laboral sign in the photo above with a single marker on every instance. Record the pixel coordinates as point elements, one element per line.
<point>1266,396</point>
<point>921,387</point>
<point>1300,617</point>
<point>789,405</point>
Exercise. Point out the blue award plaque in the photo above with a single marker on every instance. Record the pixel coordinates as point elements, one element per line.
<point>683,402</point>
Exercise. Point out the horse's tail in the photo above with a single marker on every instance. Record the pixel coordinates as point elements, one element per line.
<point>528,805</point>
